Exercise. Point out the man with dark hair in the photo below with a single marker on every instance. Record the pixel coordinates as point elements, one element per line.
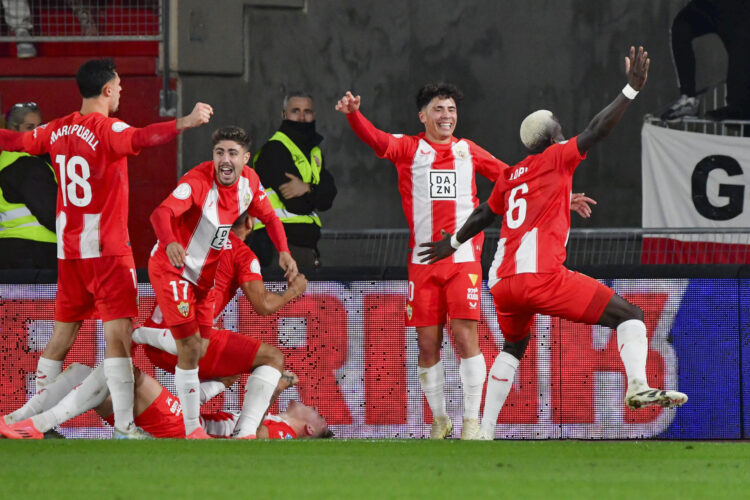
<point>438,191</point>
<point>528,277</point>
<point>192,226</point>
<point>291,167</point>
<point>96,272</point>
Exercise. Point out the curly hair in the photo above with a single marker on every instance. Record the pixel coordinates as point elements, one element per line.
<point>432,90</point>
<point>231,133</point>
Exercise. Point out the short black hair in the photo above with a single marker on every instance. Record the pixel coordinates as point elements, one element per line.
<point>442,89</point>
<point>231,133</point>
<point>93,75</point>
<point>241,219</point>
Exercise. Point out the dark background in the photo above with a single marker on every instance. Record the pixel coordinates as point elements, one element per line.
<point>510,57</point>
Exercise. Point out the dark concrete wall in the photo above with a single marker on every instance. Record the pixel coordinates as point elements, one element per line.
<point>510,57</point>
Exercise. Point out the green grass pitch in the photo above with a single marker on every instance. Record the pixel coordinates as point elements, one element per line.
<point>373,469</point>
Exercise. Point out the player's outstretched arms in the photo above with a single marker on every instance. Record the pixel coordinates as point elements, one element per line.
<point>200,115</point>
<point>579,203</point>
<point>636,68</point>
<point>10,140</point>
<point>479,219</point>
<point>265,302</point>
<point>349,103</point>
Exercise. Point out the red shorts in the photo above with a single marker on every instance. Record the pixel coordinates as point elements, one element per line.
<point>437,289</point>
<point>162,419</point>
<point>102,287</point>
<point>565,294</point>
<point>181,302</point>
<point>228,353</point>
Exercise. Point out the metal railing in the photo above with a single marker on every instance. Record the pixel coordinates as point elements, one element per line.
<point>83,20</point>
<point>711,98</point>
<point>613,246</point>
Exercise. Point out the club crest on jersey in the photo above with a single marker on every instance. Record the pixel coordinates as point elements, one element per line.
<point>461,150</point>
<point>442,184</point>
<point>473,278</point>
<point>184,308</point>
<point>246,200</point>
<point>409,311</point>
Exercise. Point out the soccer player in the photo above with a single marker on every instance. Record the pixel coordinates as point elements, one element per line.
<point>96,272</point>
<point>224,352</point>
<point>528,276</point>
<point>192,226</point>
<point>438,192</point>
<point>157,411</point>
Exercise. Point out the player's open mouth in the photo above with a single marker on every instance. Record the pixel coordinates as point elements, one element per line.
<point>445,125</point>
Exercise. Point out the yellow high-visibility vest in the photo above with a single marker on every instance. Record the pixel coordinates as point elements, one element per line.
<point>309,170</point>
<point>16,220</point>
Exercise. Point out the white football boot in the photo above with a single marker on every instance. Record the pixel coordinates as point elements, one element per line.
<point>442,427</point>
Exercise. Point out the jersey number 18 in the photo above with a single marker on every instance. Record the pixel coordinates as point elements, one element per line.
<point>71,180</point>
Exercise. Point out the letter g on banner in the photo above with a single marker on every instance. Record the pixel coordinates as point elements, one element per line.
<point>735,192</point>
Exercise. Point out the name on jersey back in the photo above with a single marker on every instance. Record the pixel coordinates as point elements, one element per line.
<point>85,134</point>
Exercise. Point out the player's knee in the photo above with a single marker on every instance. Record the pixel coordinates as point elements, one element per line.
<point>273,357</point>
<point>516,349</point>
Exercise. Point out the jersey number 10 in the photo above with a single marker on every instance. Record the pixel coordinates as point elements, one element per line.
<point>71,180</point>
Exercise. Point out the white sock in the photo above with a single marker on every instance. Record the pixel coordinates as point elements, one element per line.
<point>120,381</point>
<point>47,371</point>
<point>51,394</point>
<point>432,380</point>
<point>473,372</point>
<point>161,338</point>
<point>90,393</point>
<point>502,373</point>
<point>258,392</point>
<point>189,393</point>
<point>633,345</point>
<point>210,389</point>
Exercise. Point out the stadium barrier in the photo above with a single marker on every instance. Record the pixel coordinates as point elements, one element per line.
<point>356,360</point>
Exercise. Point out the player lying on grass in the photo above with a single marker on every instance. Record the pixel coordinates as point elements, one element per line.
<point>224,352</point>
<point>527,275</point>
<point>157,411</point>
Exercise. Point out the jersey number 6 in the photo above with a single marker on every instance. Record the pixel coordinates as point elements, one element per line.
<point>515,219</point>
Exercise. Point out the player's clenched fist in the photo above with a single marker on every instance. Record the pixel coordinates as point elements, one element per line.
<point>349,103</point>
<point>200,115</point>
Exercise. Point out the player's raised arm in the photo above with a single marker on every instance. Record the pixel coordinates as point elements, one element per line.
<point>366,131</point>
<point>479,219</point>
<point>200,115</point>
<point>636,68</point>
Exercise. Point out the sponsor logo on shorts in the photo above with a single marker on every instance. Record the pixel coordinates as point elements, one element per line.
<point>472,294</point>
<point>184,308</point>
<point>409,311</point>
<point>472,305</point>
<point>473,278</point>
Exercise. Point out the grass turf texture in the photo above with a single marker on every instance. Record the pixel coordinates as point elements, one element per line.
<point>373,469</point>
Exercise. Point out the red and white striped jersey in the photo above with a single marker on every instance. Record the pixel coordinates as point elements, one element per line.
<point>89,154</point>
<point>438,188</point>
<point>534,199</point>
<point>204,212</point>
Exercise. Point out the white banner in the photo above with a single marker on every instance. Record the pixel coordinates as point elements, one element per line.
<point>694,180</point>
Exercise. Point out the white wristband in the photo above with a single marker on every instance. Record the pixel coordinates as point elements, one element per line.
<point>454,242</point>
<point>629,92</point>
